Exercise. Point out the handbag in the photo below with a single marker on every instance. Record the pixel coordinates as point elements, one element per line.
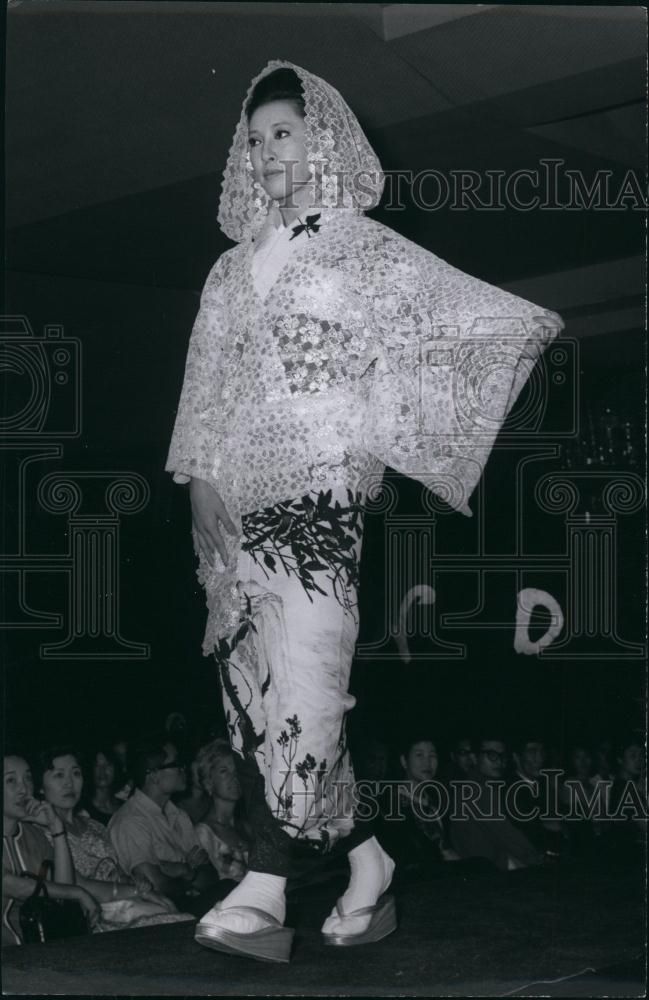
<point>46,919</point>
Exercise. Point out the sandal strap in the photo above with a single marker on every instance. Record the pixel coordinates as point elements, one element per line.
<point>252,909</point>
<point>362,912</point>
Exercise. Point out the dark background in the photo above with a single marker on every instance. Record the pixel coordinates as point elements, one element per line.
<point>119,118</point>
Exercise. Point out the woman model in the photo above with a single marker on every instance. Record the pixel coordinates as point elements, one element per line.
<point>302,383</point>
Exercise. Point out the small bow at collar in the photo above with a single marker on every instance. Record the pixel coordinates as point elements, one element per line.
<point>310,225</point>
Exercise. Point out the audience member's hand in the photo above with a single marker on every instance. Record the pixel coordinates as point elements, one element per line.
<point>448,854</point>
<point>197,857</point>
<point>42,814</point>
<point>89,905</point>
<point>155,897</point>
<point>143,886</point>
<point>236,870</point>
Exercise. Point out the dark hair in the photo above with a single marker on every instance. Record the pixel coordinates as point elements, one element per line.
<point>45,761</point>
<point>112,758</point>
<point>629,740</point>
<point>280,85</point>
<point>521,741</point>
<point>490,737</point>
<point>12,750</point>
<point>148,754</point>
<point>408,743</point>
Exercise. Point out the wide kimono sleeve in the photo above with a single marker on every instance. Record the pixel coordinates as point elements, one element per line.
<point>451,355</point>
<point>194,444</point>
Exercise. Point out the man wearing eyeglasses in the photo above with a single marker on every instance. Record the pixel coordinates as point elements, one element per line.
<point>151,836</point>
<point>479,825</point>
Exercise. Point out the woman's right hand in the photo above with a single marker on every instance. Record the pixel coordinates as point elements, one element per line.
<point>42,814</point>
<point>209,517</point>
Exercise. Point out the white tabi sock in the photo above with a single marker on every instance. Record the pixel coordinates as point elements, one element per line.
<point>371,874</point>
<point>264,892</point>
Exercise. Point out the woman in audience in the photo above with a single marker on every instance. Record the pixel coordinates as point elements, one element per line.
<point>25,847</point>
<point>120,751</point>
<point>106,778</point>
<point>195,802</point>
<point>422,837</point>
<point>628,799</point>
<point>221,832</point>
<point>577,792</point>
<point>61,784</point>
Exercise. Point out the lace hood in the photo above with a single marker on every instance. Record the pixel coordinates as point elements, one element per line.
<point>346,169</point>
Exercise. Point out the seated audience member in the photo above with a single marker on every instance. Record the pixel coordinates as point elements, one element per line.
<point>534,800</point>
<point>421,837</point>
<point>120,751</point>
<point>221,832</point>
<point>580,793</point>
<point>105,777</point>
<point>25,847</point>
<point>628,796</point>
<point>371,768</point>
<point>462,760</point>
<point>372,761</point>
<point>603,762</point>
<point>195,802</point>
<point>95,865</point>
<point>479,827</point>
<point>151,836</point>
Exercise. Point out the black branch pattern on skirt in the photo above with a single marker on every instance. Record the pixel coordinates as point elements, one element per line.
<point>307,537</point>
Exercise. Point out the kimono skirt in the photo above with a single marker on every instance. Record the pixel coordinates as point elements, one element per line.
<point>285,671</point>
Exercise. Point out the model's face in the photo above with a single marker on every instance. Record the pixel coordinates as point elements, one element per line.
<point>103,772</point>
<point>492,759</point>
<point>18,787</point>
<point>277,150</point>
<point>463,756</point>
<point>63,782</point>
<point>421,762</point>
<point>223,782</point>
<point>531,759</point>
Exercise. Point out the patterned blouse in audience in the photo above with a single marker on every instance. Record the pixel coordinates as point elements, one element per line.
<point>92,851</point>
<point>230,861</point>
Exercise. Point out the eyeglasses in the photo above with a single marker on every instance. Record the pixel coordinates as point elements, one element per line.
<point>494,755</point>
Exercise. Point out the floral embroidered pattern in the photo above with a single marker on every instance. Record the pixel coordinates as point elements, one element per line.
<point>309,537</point>
<point>318,353</point>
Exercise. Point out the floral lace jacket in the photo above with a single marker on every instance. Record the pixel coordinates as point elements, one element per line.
<point>367,351</point>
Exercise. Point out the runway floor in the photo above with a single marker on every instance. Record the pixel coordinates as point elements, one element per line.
<point>475,934</point>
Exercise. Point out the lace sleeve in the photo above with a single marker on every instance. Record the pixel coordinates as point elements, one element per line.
<point>452,355</point>
<point>193,443</point>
